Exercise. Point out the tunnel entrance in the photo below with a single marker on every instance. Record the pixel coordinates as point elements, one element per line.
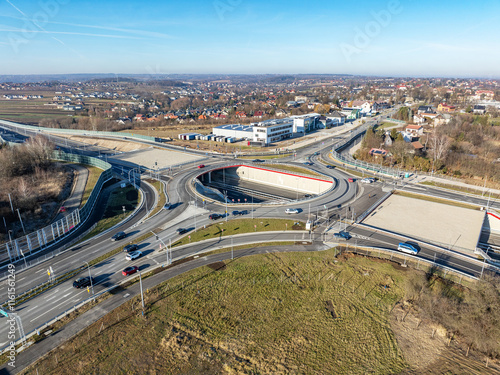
<point>247,184</point>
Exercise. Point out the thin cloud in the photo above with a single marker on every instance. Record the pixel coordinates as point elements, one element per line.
<point>129,31</point>
<point>18,30</point>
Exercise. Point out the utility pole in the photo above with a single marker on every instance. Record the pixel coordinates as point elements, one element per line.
<point>21,220</point>
<point>142,294</point>
<point>11,206</point>
<point>226,206</point>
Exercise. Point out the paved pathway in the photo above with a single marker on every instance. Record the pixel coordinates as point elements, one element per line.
<point>76,195</point>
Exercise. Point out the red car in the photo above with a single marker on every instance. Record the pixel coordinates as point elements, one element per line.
<point>62,209</point>
<point>201,166</point>
<point>130,270</point>
<point>350,179</point>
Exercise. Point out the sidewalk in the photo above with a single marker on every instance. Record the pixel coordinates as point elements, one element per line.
<point>419,178</point>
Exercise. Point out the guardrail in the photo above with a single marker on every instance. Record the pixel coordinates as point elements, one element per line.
<point>78,131</point>
<point>394,255</point>
<point>17,249</point>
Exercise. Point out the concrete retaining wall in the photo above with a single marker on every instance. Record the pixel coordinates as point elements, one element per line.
<point>492,222</point>
<point>284,180</point>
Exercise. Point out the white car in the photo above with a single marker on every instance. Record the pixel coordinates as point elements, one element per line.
<point>133,255</point>
<point>291,211</point>
<point>368,180</point>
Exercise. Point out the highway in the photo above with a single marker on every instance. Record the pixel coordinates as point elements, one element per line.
<point>190,212</point>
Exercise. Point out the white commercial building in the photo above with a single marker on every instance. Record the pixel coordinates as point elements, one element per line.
<point>234,131</point>
<point>305,123</point>
<point>273,130</point>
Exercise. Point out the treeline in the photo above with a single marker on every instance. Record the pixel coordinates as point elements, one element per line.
<point>30,182</point>
<point>465,147</point>
<point>25,159</point>
<point>470,314</point>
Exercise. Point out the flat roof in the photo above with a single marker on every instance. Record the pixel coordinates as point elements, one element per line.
<point>239,127</point>
<point>438,223</point>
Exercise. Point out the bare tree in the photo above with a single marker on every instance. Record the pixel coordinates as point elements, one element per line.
<point>439,144</point>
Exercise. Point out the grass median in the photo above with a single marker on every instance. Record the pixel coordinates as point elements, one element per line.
<point>121,203</point>
<point>162,199</point>
<point>436,200</point>
<point>291,169</point>
<point>239,226</point>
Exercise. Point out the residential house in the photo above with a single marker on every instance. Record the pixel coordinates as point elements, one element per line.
<point>415,130</point>
<point>443,107</point>
<point>417,146</point>
<point>442,119</point>
<point>426,109</point>
<point>258,114</point>
<point>337,117</point>
<point>419,119</point>
<point>479,109</point>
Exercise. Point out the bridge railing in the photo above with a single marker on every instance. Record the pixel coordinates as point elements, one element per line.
<point>18,248</point>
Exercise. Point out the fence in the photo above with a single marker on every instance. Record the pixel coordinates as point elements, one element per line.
<point>19,248</point>
<point>78,131</point>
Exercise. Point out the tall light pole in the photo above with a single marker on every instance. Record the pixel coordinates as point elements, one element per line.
<point>226,205</point>
<point>252,207</point>
<point>21,220</point>
<point>142,294</point>
<point>90,277</point>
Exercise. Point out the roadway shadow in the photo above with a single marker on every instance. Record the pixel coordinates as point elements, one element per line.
<point>144,266</point>
<point>105,262</point>
<point>104,280</point>
<point>146,252</point>
<point>175,205</point>
<point>143,245</point>
<point>132,233</point>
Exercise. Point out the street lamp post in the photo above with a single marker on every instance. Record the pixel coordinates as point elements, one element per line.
<point>10,240</point>
<point>142,294</point>
<point>226,205</point>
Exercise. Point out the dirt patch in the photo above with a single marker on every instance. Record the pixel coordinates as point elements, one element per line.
<point>421,342</point>
<point>217,266</point>
<point>331,309</point>
<point>124,146</point>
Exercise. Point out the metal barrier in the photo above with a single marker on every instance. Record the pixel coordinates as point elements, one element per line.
<point>405,259</point>
<point>17,249</point>
<point>78,131</point>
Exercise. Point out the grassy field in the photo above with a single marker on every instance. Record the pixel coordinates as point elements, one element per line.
<point>94,174</point>
<point>222,228</point>
<point>122,197</point>
<point>278,313</point>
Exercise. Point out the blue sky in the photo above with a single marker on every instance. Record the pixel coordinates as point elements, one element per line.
<point>389,38</point>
